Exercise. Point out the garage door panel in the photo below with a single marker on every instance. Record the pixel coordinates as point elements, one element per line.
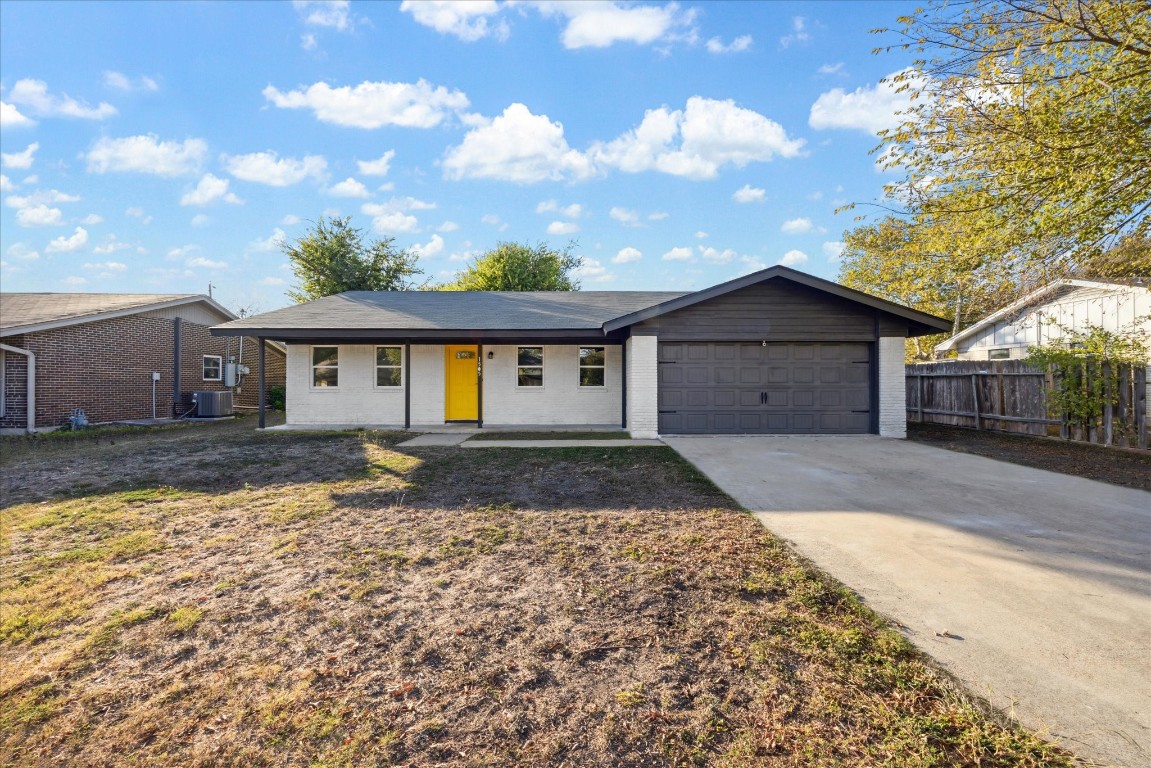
<point>729,388</point>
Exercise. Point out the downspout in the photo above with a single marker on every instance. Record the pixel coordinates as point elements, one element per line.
<point>31,383</point>
<point>408,384</point>
<point>623,384</point>
<point>480,388</point>
<point>262,396</point>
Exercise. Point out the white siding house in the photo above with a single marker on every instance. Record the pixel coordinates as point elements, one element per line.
<point>1047,315</point>
<point>773,352</point>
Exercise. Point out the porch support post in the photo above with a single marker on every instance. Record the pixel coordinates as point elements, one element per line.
<point>29,383</point>
<point>263,396</point>
<point>480,389</point>
<point>623,385</point>
<point>408,384</point>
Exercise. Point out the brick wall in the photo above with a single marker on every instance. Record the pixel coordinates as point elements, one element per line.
<point>643,386</point>
<point>892,387</point>
<point>106,368</point>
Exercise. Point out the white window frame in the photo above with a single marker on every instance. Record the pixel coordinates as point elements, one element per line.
<point>312,365</point>
<point>580,367</point>
<point>541,366</point>
<point>219,367</point>
<point>992,356</point>
<point>378,367</point>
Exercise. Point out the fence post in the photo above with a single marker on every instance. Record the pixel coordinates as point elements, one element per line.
<point>975,396</point>
<point>1139,403</point>
<point>919,395</point>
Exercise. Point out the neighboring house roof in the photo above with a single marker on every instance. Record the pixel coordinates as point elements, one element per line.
<point>498,314</point>
<point>31,312</point>
<point>1048,293</point>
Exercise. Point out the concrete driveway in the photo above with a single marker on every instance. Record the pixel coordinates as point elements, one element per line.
<point>1042,581</point>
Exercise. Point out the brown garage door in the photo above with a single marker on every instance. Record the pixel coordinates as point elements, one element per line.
<point>717,388</point>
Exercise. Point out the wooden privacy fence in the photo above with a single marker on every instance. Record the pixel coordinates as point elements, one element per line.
<point>1009,396</point>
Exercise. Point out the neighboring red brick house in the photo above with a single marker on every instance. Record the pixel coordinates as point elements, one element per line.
<point>101,352</point>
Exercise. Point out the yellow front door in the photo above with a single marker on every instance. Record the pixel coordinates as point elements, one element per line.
<point>461,385</point>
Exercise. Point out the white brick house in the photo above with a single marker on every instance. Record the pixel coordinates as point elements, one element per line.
<point>774,352</point>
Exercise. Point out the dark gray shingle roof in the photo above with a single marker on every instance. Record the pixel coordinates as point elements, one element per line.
<point>35,310</point>
<point>456,310</point>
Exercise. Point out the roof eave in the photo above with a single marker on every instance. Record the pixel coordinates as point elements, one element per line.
<point>49,325</point>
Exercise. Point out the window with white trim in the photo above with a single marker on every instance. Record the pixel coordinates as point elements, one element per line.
<point>325,366</point>
<point>591,366</point>
<point>213,367</point>
<point>389,366</point>
<point>999,354</point>
<point>529,366</point>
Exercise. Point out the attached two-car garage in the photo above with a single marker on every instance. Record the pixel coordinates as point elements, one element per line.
<point>765,388</point>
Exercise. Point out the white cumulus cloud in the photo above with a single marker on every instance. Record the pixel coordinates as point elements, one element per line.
<point>34,95</point>
<point>627,255</point>
<point>625,216</point>
<point>593,270</point>
<point>465,19</point>
<point>799,33</point>
<point>67,244</point>
<point>349,187</point>
<point>394,217</point>
<point>377,167</point>
<point>599,24</point>
<point>697,141</point>
<point>39,216</point>
<point>833,250</point>
<point>716,256</point>
<point>6,184</point>
<point>147,154</point>
<point>677,254</point>
<point>209,190</point>
<point>325,13</point>
<point>516,146</point>
<point>202,263</point>
<point>793,258</point>
<point>122,82</point>
<point>738,45</point>
<point>270,243</point>
<point>870,108</point>
<point>563,228</point>
<point>433,247</point>
<point>11,117</point>
<point>40,197</point>
<point>270,169</point>
<point>373,104</point>
<point>20,160</point>
<point>748,194</point>
<point>796,226</point>
<point>572,211</point>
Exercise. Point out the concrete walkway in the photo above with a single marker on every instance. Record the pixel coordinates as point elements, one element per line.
<point>560,443</point>
<point>1033,588</point>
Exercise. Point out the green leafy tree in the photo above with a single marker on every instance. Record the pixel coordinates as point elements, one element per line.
<point>1033,111</point>
<point>333,258</point>
<point>1129,259</point>
<point>909,263</point>
<point>517,267</point>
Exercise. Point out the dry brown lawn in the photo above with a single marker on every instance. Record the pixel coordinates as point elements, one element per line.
<point>220,597</point>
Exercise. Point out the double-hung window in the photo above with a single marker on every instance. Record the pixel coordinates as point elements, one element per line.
<point>389,366</point>
<point>529,366</point>
<point>213,367</point>
<point>325,366</point>
<point>591,366</point>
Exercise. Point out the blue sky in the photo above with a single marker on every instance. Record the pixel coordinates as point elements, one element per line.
<point>160,147</point>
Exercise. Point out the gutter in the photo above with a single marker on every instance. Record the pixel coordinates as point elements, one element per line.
<point>31,383</point>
